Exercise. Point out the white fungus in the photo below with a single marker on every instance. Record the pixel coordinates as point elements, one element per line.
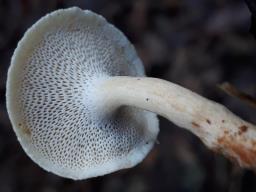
<point>79,102</point>
<point>51,98</point>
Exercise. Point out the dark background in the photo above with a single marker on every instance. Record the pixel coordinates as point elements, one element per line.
<point>195,43</point>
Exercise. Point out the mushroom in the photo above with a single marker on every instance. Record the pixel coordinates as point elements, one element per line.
<point>81,106</point>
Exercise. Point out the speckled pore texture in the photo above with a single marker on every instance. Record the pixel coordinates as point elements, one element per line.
<point>59,59</point>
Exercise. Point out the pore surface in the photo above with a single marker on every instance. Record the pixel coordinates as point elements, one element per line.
<point>52,105</point>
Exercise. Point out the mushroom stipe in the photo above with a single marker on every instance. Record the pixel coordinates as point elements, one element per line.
<point>81,106</point>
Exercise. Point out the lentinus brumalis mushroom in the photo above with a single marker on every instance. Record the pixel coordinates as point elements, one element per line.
<point>81,106</point>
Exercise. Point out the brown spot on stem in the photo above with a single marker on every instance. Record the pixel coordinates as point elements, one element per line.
<point>244,155</point>
<point>195,124</point>
<point>253,143</point>
<point>243,128</point>
<point>221,140</point>
<point>223,121</point>
<point>208,121</point>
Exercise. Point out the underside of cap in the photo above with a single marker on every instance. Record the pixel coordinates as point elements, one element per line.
<point>50,96</point>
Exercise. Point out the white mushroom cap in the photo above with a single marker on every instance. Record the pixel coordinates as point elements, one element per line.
<point>51,98</point>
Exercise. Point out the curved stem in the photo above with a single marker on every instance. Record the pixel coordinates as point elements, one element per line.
<point>215,125</point>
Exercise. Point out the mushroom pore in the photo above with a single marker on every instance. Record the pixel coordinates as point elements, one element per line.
<point>81,106</point>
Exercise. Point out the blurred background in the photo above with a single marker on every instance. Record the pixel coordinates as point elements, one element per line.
<point>195,43</point>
